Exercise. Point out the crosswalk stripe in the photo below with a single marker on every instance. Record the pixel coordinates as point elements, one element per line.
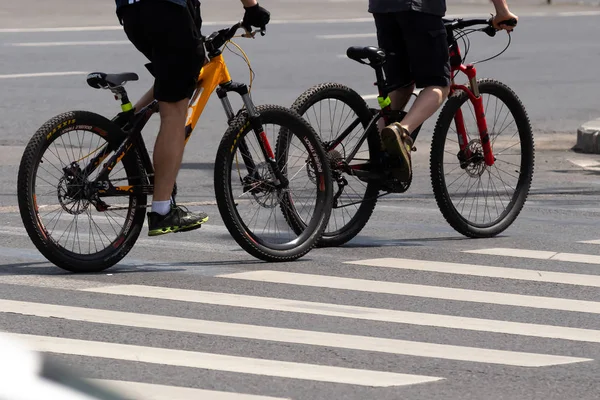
<point>541,255</point>
<point>218,362</point>
<point>364,343</point>
<point>483,270</point>
<point>218,247</point>
<point>591,241</point>
<point>406,289</point>
<point>353,312</point>
<point>147,391</point>
<point>348,36</point>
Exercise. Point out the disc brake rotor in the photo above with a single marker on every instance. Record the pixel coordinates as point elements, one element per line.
<point>472,159</point>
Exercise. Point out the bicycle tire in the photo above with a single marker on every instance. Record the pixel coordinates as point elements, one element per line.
<point>349,97</point>
<point>518,199</point>
<point>243,235</point>
<point>60,256</point>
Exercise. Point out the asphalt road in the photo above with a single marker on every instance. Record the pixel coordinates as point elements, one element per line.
<point>441,320</point>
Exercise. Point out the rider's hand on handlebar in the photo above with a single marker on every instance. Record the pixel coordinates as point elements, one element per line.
<point>501,17</point>
<point>256,16</point>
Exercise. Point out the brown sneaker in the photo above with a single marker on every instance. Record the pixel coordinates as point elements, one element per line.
<point>397,142</point>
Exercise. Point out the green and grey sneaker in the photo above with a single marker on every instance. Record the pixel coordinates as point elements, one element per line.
<point>178,219</point>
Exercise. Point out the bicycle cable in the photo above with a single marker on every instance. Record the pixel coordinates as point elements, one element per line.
<point>464,35</point>
<point>243,56</point>
<point>497,55</point>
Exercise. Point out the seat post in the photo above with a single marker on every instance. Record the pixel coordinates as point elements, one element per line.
<point>121,94</point>
<point>380,80</point>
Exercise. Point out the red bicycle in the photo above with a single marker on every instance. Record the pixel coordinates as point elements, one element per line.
<point>480,176</point>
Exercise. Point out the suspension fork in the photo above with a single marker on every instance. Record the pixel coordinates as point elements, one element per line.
<point>477,101</point>
<point>254,120</point>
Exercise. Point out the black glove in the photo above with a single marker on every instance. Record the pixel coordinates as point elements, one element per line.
<point>256,16</point>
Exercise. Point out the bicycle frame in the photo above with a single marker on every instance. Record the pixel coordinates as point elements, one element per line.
<point>385,109</point>
<point>213,75</point>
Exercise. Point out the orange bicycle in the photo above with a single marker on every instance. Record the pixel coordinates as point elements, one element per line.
<point>81,173</point>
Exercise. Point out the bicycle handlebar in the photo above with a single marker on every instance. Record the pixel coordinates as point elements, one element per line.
<point>461,23</point>
<point>217,39</point>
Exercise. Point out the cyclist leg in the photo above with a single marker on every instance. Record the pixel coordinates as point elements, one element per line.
<point>396,140</point>
<point>426,51</point>
<point>396,67</point>
<point>165,33</point>
<point>426,42</point>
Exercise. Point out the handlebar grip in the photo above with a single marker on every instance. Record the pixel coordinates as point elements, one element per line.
<point>509,22</point>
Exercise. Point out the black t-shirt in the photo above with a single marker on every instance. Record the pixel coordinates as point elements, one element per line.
<point>435,7</point>
<point>121,3</point>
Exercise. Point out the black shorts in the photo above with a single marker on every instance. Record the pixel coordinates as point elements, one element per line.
<point>417,48</point>
<point>167,35</point>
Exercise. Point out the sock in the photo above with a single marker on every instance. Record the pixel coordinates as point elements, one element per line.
<point>161,207</point>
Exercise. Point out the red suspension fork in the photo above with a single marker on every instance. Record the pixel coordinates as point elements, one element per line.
<point>477,102</point>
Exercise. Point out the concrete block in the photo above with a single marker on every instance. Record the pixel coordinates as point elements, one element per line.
<point>588,137</point>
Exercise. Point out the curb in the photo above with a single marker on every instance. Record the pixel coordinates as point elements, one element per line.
<point>588,137</point>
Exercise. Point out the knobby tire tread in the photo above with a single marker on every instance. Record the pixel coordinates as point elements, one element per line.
<point>29,161</point>
<point>446,117</point>
<point>354,101</point>
<point>222,179</point>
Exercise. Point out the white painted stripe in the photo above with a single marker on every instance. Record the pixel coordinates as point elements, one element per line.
<point>217,362</point>
<point>578,13</point>
<point>542,255</point>
<point>83,43</point>
<point>364,343</point>
<point>62,29</point>
<point>586,164</point>
<point>167,243</point>
<point>354,312</point>
<point>287,22</point>
<point>207,23</point>
<point>42,74</point>
<point>406,289</point>
<point>348,36</point>
<point>591,241</point>
<point>147,391</point>
<point>483,270</point>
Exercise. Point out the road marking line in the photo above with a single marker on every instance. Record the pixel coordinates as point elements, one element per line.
<point>207,23</point>
<point>56,44</point>
<point>353,312</point>
<point>147,391</point>
<point>586,164</point>
<point>483,270</point>
<point>591,241</point>
<point>218,362</point>
<point>42,74</point>
<point>63,29</point>
<point>286,22</point>
<point>406,289</point>
<point>295,336</point>
<point>541,255</point>
<point>348,36</point>
<point>48,207</point>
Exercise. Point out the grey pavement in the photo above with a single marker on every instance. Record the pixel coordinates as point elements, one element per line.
<point>521,308</point>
